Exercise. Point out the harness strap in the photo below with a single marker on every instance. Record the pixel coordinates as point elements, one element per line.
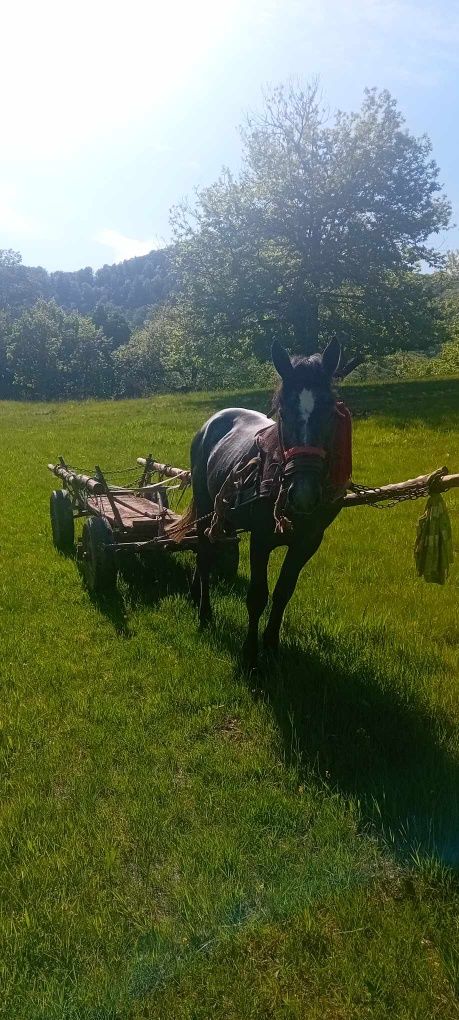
<point>269,472</point>
<point>306,451</point>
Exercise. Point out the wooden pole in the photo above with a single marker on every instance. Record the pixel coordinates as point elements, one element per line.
<point>76,480</point>
<point>166,469</point>
<point>435,482</point>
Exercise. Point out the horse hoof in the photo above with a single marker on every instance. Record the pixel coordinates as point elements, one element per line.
<point>249,656</point>
<point>271,645</point>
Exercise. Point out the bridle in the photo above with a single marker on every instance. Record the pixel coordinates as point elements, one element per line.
<point>316,460</point>
<point>294,460</point>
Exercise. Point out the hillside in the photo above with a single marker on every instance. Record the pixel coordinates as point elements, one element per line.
<point>133,286</point>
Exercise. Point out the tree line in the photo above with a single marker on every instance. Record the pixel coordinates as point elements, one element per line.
<point>134,286</point>
<point>327,229</point>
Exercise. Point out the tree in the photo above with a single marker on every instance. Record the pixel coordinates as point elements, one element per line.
<point>325,225</point>
<point>133,287</point>
<point>9,258</point>
<point>52,354</point>
<point>6,379</point>
<point>172,352</point>
<point>112,323</point>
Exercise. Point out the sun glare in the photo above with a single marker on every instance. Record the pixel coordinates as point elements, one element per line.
<point>85,70</point>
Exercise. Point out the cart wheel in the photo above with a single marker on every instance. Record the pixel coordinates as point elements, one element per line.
<point>97,562</point>
<point>226,563</point>
<point>61,513</point>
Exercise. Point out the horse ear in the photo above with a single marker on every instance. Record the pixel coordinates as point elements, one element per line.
<point>281,361</point>
<point>331,357</point>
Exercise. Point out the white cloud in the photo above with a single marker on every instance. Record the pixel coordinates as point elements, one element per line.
<point>123,247</point>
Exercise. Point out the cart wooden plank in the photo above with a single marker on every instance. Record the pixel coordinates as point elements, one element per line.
<point>135,511</point>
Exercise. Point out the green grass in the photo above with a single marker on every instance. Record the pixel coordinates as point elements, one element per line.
<point>179,841</point>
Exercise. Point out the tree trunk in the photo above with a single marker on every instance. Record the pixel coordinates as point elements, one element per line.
<point>305,323</point>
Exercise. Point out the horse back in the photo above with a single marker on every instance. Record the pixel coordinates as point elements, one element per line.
<point>220,444</point>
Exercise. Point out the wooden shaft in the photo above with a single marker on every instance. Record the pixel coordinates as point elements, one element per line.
<point>391,491</point>
<point>78,481</point>
<point>165,469</point>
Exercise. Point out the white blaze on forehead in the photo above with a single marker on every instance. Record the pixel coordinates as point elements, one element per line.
<point>306,408</point>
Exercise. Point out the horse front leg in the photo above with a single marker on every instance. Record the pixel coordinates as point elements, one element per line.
<point>294,561</point>
<point>257,597</point>
<point>203,566</point>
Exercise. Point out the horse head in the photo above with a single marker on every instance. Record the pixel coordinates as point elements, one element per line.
<point>306,404</point>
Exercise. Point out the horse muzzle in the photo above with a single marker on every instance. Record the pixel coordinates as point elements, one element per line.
<point>303,475</point>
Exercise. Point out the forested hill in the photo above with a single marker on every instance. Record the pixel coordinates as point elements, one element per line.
<point>134,286</point>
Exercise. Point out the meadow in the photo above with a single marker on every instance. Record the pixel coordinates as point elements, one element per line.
<point>181,840</point>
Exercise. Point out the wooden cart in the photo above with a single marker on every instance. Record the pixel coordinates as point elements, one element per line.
<point>122,519</point>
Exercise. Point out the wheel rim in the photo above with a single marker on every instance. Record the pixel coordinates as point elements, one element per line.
<point>97,565</point>
<point>87,560</point>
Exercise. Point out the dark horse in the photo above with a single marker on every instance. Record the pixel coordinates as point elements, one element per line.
<point>305,406</point>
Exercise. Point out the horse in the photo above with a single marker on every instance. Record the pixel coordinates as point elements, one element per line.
<point>300,443</point>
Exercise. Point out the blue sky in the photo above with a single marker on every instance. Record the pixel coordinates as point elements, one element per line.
<point>112,112</point>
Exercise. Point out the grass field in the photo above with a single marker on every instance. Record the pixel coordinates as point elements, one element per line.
<point>181,841</point>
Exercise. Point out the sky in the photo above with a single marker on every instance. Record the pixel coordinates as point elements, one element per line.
<point>112,112</point>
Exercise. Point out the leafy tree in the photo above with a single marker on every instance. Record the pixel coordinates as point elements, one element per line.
<point>33,351</point>
<point>9,258</point>
<point>133,287</point>
<point>52,354</point>
<point>172,352</point>
<point>325,225</point>
<point>447,285</point>
<point>160,356</point>
<point>6,379</point>
<point>113,324</point>
<point>19,286</point>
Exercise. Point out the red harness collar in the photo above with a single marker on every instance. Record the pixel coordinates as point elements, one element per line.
<point>310,451</point>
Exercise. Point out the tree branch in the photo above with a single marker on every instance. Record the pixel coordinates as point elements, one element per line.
<point>346,369</point>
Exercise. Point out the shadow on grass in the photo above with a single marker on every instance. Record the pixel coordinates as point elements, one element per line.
<point>146,581</point>
<point>141,581</point>
<point>434,401</point>
<point>344,712</point>
<point>349,721</point>
<point>346,717</point>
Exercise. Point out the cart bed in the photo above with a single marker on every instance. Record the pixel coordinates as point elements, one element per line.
<point>135,512</point>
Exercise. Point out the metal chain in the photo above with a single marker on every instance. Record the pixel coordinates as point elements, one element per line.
<point>416,492</point>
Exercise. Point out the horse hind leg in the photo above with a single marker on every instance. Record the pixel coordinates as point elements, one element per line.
<point>200,586</point>
<point>203,569</point>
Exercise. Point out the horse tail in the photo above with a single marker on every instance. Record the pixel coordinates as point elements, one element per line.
<point>179,529</point>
